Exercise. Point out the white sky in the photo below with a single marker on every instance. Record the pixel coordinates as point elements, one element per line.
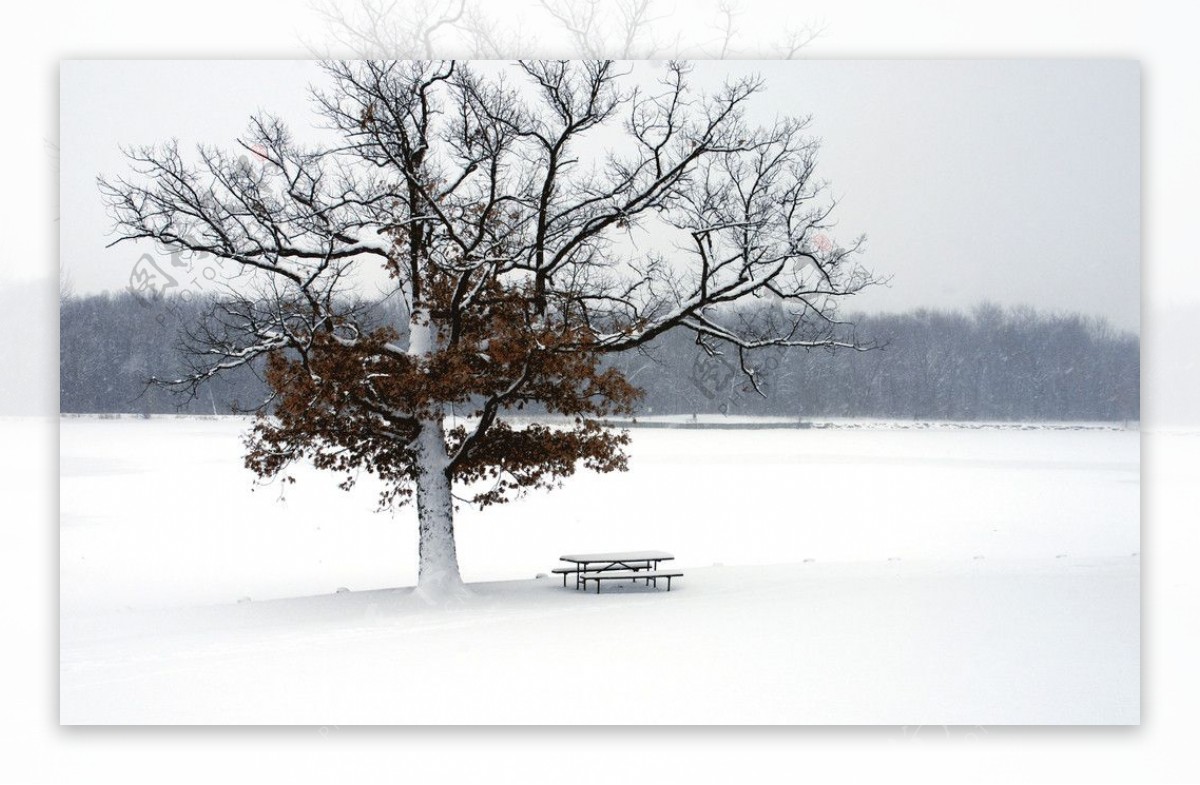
<point>1012,181</point>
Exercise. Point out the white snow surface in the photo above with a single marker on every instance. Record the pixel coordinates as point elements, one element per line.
<point>874,574</point>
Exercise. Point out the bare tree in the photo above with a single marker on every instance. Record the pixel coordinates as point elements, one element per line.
<point>621,29</point>
<point>508,243</point>
<point>374,29</point>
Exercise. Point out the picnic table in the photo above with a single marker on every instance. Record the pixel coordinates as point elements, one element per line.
<point>620,565</point>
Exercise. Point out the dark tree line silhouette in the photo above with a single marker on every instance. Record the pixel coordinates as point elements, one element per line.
<point>989,364</point>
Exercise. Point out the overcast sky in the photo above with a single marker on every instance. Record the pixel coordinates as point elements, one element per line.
<point>1010,181</point>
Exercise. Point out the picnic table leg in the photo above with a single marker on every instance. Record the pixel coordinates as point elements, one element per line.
<point>668,583</point>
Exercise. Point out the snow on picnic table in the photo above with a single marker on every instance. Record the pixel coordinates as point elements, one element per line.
<point>916,577</point>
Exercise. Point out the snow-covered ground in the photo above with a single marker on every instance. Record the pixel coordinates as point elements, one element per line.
<point>843,575</point>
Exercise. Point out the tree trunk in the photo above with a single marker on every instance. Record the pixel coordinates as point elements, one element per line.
<point>438,574</point>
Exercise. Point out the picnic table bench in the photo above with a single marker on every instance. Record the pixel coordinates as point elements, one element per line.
<point>620,565</point>
<point>650,576</point>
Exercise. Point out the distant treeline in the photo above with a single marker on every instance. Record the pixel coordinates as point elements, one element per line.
<point>109,345</point>
<point>989,364</point>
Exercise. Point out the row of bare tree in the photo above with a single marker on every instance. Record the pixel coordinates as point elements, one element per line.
<point>991,363</point>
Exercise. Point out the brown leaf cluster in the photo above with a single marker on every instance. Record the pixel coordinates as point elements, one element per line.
<point>354,406</point>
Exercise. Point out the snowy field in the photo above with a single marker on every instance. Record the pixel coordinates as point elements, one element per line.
<point>881,574</point>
